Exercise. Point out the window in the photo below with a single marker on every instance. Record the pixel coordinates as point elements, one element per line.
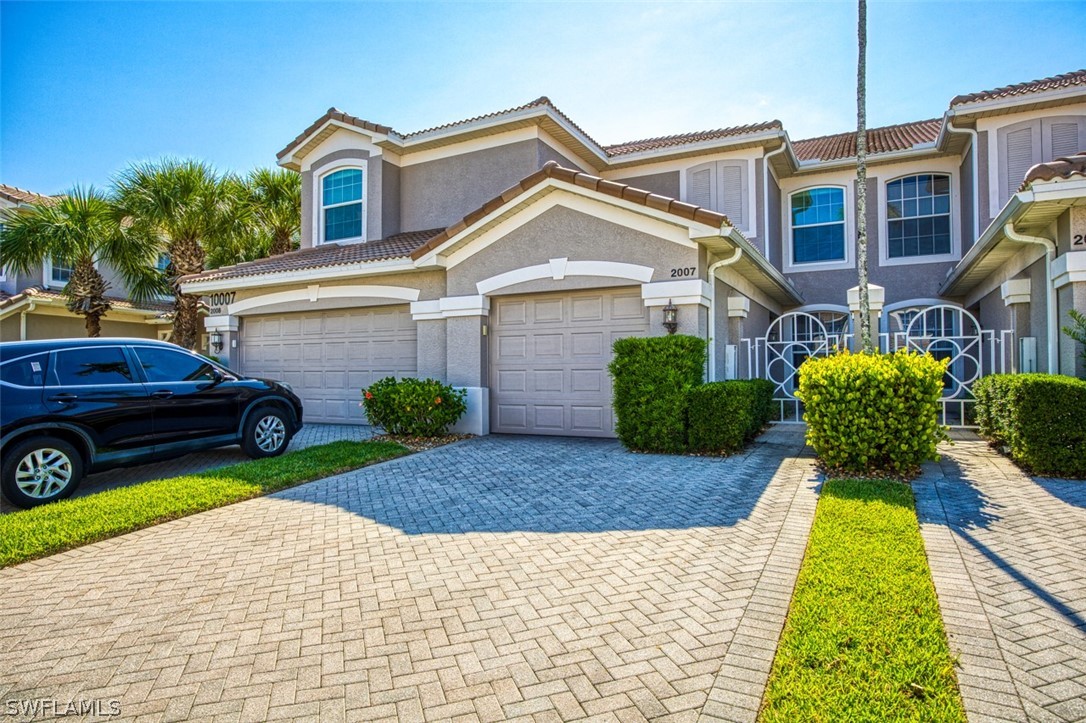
<point>818,225</point>
<point>59,272</point>
<point>918,216</point>
<point>341,204</point>
<point>162,263</point>
<point>26,372</point>
<point>165,365</point>
<point>92,365</point>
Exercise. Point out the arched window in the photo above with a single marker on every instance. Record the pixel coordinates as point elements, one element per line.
<point>818,225</point>
<point>342,205</point>
<point>918,216</point>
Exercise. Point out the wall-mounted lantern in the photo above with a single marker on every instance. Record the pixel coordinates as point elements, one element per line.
<point>216,342</point>
<point>671,317</point>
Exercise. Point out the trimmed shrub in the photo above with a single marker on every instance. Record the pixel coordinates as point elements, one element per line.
<point>725,416</point>
<point>652,376</point>
<point>1039,418</point>
<point>414,407</point>
<point>869,413</point>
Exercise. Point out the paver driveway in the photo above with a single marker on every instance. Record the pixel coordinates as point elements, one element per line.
<point>495,578</point>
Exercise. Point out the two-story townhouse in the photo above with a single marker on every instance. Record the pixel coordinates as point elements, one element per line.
<point>505,253</point>
<point>32,306</point>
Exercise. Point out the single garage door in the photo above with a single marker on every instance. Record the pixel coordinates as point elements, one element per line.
<point>549,357</point>
<point>329,356</point>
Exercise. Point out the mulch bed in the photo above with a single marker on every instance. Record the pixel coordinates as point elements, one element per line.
<point>421,444</point>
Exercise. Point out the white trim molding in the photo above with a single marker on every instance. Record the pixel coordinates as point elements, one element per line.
<point>1069,268</point>
<point>848,198</point>
<point>1015,291</point>
<point>315,292</point>
<point>558,269</point>
<point>450,306</point>
<point>876,297</point>
<point>738,307</point>
<point>691,291</point>
<point>221,322</point>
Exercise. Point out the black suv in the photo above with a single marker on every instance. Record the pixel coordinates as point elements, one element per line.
<point>69,406</point>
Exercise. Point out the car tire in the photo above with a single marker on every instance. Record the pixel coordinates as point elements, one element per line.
<point>267,433</point>
<point>40,470</point>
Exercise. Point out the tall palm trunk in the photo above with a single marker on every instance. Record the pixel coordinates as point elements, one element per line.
<point>282,244</point>
<point>861,181</point>
<point>186,257</point>
<point>86,292</point>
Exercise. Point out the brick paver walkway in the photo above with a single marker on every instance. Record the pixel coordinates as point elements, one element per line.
<point>500,577</point>
<point>199,461</point>
<point>1008,556</point>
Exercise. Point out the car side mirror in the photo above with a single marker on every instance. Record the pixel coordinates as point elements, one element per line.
<point>217,377</point>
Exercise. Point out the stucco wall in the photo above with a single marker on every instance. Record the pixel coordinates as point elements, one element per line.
<point>431,285</point>
<point>47,326</point>
<point>965,173</point>
<point>1071,296</point>
<point>390,199</point>
<point>438,193</point>
<point>548,153</point>
<point>664,184</point>
<point>983,168</point>
<point>564,233</point>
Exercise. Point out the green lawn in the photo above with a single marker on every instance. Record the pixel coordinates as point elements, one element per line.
<point>52,528</point>
<point>864,640</point>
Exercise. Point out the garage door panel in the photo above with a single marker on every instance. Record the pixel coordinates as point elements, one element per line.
<point>330,356</point>
<point>549,360</point>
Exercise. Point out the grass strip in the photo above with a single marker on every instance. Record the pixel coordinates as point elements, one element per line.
<point>52,528</point>
<point>864,640</point>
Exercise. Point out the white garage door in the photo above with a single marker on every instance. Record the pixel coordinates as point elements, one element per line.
<point>329,356</point>
<point>549,357</point>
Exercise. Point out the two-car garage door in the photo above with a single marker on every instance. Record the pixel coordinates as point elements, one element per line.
<point>549,357</point>
<point>329,356</point>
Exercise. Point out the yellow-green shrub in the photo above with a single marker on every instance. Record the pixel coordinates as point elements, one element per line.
<point>873,412</point>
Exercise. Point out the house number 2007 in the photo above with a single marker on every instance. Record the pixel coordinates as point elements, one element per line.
<point>685,271</point>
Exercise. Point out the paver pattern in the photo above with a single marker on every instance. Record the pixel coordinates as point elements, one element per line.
<point>1008,557</point>
<point>496,578</point>
<point>310,435</point>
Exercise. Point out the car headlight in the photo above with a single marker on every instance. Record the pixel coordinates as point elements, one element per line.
<point>287,387</point>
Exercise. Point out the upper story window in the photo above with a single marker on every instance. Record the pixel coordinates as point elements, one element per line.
<point>162,263</point>
<point>59,272</point>
<point>341,205</point>
<point>818,225</point>
<point>918,216</point>
<point>720,186</point>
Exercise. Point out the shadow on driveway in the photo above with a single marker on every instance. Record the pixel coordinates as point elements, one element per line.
<point>507,483</point>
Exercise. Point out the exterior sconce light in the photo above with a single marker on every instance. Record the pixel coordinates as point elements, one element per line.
<point>216,341</point>
<point>671,317</point>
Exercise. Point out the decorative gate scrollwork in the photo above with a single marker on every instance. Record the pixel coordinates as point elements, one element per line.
<point>949,332</point>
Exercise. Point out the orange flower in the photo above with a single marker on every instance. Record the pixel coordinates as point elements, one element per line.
<point>369,395</point>
<point>437,401</point>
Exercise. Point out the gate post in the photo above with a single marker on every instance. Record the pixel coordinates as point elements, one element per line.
<point>877,297</point>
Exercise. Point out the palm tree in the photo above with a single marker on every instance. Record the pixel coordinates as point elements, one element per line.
<point>185,206</point>
<point>267,209</point>
<point>861,181</point>
<point>275,196</point>
<point>80,229</point>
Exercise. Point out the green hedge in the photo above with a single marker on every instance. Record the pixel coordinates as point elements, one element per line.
<point>415,407</point>
<point>725,416</point>
<point>873,412</point>
<point>1040,418</point>
<point>652,376</point>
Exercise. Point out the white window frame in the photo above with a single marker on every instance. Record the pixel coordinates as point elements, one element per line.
<point>47,275</point>
<point>790,265</point>
<point>318,201</point>
<point>955,222</point>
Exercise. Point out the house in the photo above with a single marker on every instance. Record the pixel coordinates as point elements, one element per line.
<point>505,253</point>
<point>32,306</point>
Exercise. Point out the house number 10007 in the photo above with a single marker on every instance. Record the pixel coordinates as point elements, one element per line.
<point>683,272</point>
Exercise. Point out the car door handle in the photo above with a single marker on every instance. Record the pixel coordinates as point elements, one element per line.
<point>64,398</point>
<point>162,394</point>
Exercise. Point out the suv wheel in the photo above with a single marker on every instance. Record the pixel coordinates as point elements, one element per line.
<point>267,433</point>
<point>40,470</point>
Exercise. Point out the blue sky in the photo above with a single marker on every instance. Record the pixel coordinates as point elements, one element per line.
<point>86,88</point>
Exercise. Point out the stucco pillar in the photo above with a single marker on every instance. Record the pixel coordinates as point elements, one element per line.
<point>738,309</point>
<point>877,299</point>
<point>226,325</point>
<point>464,322</point>
<point>432,349</point>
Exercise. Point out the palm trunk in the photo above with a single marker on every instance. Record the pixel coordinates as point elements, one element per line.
<point>861,181</point>
<point>187,257</point>
<point>282,244</point>
<point>86,295</point>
